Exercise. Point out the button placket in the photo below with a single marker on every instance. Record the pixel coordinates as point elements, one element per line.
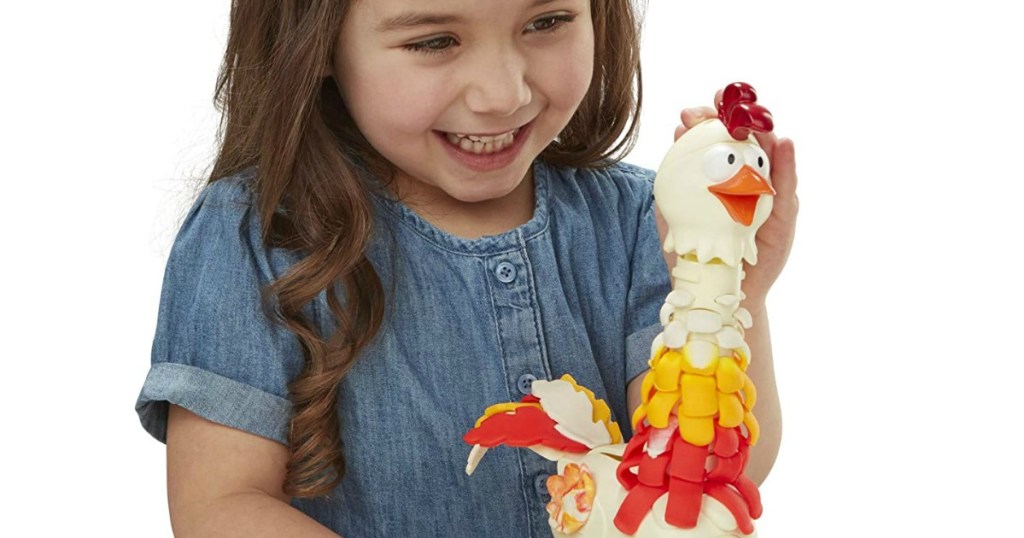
<point>520,341</point>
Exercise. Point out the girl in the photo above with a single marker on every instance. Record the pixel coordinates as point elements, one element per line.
<point>416,211</point>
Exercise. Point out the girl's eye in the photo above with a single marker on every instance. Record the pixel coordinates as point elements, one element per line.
<point>550,23</point>
<point>444,44</point>
<point>435,45</point>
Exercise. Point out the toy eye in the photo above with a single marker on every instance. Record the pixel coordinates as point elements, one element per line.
<point>721,162</point>
<point>757,159</point>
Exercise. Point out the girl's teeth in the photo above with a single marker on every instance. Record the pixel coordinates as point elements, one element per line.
<point>482,144</point>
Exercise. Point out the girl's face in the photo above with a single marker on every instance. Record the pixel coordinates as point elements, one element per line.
<point>416,74</point>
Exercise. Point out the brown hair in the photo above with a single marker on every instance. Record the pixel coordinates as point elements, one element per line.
<point>282,117</point>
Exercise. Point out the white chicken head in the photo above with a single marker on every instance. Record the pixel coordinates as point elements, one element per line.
<point>714,191</point>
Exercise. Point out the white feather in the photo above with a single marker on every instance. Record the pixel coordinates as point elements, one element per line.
<point>675,334</point>
<point>657,343</point>
<point>727,300</point>
<point>475,455</point>
<point>572,412</point>
<point>743,316</point>
<point>666,311</point>
<point>699,320</point>
<point>729,337</point>
<point>679,298</point>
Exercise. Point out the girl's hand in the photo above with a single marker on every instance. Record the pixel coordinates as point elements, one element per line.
<point>775,237</point>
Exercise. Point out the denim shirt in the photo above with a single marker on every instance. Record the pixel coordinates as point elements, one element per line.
<point>468,323</point>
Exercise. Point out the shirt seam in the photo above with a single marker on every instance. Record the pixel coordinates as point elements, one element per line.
<point>540,189</point>
<point>537,321</point>
<point>435,244</point>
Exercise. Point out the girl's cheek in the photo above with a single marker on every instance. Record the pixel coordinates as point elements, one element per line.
<point>569,80</point>
<point>568,71</point>
<point>403,99</point>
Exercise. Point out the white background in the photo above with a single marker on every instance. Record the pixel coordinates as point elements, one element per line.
<point>895,325</point>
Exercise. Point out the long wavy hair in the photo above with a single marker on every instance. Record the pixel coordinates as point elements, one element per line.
<point>282,117</point>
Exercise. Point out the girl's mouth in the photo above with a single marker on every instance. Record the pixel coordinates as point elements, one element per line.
<point>485,153</point>
<point>482,144</point>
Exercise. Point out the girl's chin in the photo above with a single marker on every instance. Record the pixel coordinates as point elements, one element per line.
<point>475,194</point>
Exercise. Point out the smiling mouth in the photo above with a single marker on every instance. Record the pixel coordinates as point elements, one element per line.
<point>483,145</point>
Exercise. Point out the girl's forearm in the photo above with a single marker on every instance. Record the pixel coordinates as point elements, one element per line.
<point>253,514</point>
<point>767,409</point>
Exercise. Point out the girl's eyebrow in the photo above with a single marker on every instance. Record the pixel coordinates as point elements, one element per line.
<point>412,19</point>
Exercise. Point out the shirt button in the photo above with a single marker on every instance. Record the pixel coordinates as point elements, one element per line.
<point>525,383</point>
<point>540,485</point>
<point>506,272</point>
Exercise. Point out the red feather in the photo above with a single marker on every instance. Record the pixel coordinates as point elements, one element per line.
<point>524,427</point>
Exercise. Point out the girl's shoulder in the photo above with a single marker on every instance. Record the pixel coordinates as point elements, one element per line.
<point>232,190</point>
<point>223,227</point>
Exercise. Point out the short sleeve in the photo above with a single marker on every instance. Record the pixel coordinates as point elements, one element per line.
<point>649,281</point>
<point>215,352</point>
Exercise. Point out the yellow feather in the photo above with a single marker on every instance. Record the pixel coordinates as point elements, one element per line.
<point>645,387</point>
<point>743,358</point>
<point>699,398</point>
<point>697,431</point>
<point>660,407</point>
<point>666,371</point>
<point>503,408</point>
<point>729,375</point>
<point>753,428</point>
<point>730,410</point>
<point>639,415</point>
<point>749,393</point>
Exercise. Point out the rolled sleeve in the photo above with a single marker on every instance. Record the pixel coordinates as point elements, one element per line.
<point>215,352</point>
<point>214,397</point>
<point>649,284</point>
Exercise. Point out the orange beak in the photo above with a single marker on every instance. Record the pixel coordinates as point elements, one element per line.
<point>740,193</point>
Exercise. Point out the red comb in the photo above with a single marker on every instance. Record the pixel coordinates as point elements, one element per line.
<point>740,112</point>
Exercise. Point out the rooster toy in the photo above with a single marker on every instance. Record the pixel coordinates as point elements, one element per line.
<point>681,474</point>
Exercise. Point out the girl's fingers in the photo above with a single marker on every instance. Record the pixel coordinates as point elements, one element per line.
<point>768,142</point>
<point>693,116</point>
<point>784,178</point>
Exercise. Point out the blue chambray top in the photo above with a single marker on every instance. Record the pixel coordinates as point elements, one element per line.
<point>469,323</point>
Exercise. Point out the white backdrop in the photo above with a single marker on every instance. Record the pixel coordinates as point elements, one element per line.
<point>894,325</point>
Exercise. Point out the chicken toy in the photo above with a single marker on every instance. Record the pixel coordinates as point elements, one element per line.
<point>681,474</point>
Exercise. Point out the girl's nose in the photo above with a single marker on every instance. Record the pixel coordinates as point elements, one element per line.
<point>497,85</point>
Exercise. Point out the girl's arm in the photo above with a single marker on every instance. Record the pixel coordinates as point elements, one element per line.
<point>226,482</point>
<point>767,409</point>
